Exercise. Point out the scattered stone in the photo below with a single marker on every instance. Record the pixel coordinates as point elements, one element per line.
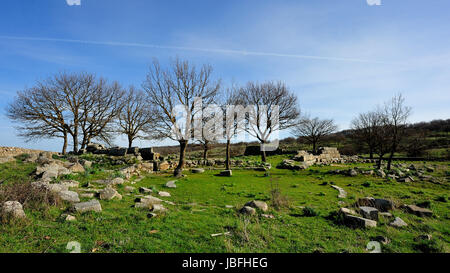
<point>76,168</point>
<point>352,173</point>
<point>109,193</point>
<point>164,194</point>
<point>398,222</point>
<point>247,210</point>
<point>116,181</point>
<point>129,189</point>
<point>145,190</point>
<point>197,170</point>
<point>70,183</point>
<point>69,196</point>
<point>226,173</point>
<point>13,209</point>
<point>149,200</point>
<point>158,208</point>
<point>359,222</point>
<point>270,216</point>
<point>369,213</point>
<point>229,206</point>
<point>342,192</point>
<point>381,204</point>
<point>421,212</point>
<point>70,218</point>
<point>258,205</point>
<point>346,211</point>
<point>171,184</point>
<point>87,195</point>
<point>220,234</point>
<point>92,205</point>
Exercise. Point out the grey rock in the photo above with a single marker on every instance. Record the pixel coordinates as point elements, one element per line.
<point>164,194</point>
<point>342,192</point>
<point>197,170</point>
<point>109,193</point>
<point>92,205</point>
<point>359,222</point>
<point>257,205</point>
<point>13,209</point>
<point>171,184</point>
<point>421,212</point>
<point>398,222</point>
<point>369,213</point>
<point>145,190</point>
<point>226,173</point>
<point>247,210</point>
<point>69,196</point>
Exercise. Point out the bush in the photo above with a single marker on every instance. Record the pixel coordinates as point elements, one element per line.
<point>278,199</point>
<point>309,212</point>
<point>34,198</point>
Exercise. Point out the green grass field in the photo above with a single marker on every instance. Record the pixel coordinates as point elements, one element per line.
<point>200,211</point>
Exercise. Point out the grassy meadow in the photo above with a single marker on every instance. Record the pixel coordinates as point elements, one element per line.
<point>306,223</point>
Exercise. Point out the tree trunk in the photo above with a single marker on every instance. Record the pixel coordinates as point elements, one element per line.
<point>263,152</point>
<point>314,147</point>
<point>379,162</point>
<point>390,160</point>
<point>227,160</point>
<point>179,169</point>
<point>370,153</point>
<point>130,141</point>
<point>75,142</point>
<point>64,149</point>
<point>205,150</point>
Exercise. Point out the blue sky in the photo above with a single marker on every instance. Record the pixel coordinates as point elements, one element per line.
<point>340,57</point>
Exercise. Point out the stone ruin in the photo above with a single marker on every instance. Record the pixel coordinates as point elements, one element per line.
<point>324,155</point>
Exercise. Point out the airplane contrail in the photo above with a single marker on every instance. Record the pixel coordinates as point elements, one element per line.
<point>210,50</point>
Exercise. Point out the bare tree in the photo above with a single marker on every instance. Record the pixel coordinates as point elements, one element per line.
<point>173,90</point>
<point>313,130</point>
<point>39,110</point>
<point>269,107</point>
<point>364,130</point>
<point>101,112</point>
<point>397,115</point>
<point>232,123</point>
<point>136,116</point>
<point>381,134</point>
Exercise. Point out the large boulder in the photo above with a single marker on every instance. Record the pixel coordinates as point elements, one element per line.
<point>92,205</point>
<point>258,205</point>
<point>13,209</point>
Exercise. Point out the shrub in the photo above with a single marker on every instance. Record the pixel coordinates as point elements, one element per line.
<point>278,199</point>
<point>309,212</point>
<point>34,198</point>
